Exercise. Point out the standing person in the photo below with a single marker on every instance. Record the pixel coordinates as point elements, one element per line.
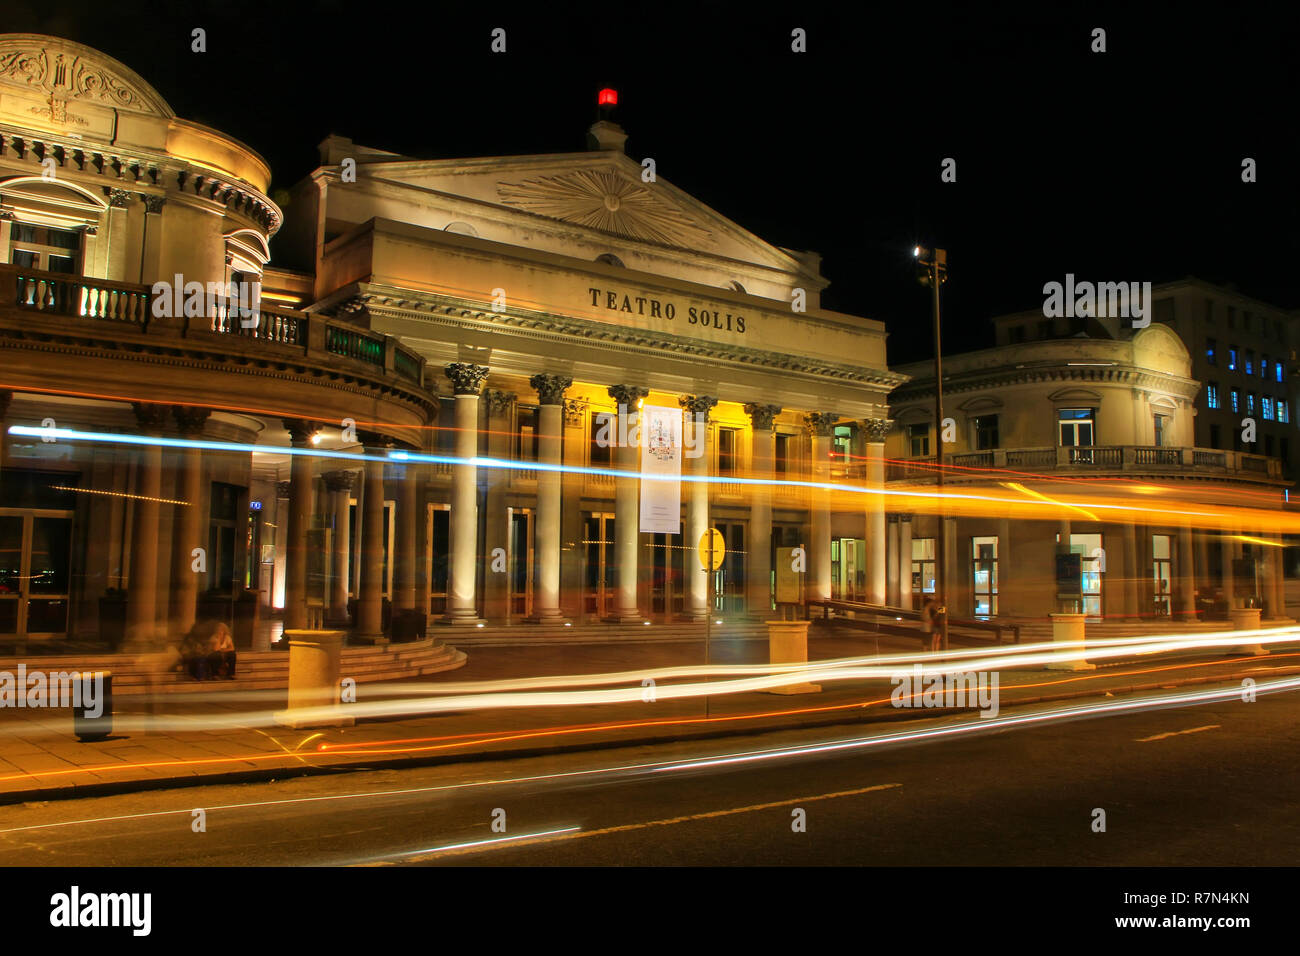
<point>931,618</point>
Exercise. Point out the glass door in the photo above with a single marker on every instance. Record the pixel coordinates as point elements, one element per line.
<point>1076,429</point>
<point>729,580</point>
<point>521,562</point>
<point>35,571</point>
<point>984,562</point>
<point>1089,547</point>
<point>1162,578</point>
<point>598,564</point>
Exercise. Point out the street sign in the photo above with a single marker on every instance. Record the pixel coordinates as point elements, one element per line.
<point>719,549</point>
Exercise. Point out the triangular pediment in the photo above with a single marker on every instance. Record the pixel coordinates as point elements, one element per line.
<point>599,190</point>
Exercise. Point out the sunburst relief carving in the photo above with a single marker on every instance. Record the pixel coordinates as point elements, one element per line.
<point>607,201</point>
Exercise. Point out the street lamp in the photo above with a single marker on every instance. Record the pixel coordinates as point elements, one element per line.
<point>934,273</point>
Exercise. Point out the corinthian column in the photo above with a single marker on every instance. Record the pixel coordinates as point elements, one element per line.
<point>877,567</point>
<point>759,587</point>
<point>626,506</point>
<point>820,424</point>
<point>142,588</point>
<point>300,509</point>
<point>462,605</point>
<point>697,409</point>
<point>546,538</point>
<point>189,520</point>
<point>370,585</point>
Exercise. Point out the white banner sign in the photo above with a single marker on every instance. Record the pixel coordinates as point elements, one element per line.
<point>661,469</point>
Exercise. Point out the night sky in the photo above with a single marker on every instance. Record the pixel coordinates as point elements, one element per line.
<point>1121,166</point>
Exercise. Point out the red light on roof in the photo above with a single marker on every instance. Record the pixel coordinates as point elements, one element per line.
<point>607,97</point>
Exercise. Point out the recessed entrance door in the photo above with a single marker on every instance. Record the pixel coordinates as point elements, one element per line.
<point>729,580</point>
<point>598,564</point>
<point>521,562</point>
<point>35,569</point>
<point>669,581</point>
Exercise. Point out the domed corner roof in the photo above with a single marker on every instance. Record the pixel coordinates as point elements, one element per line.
<point>53,66</point>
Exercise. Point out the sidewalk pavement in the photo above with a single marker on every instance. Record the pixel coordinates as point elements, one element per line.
<point>41,758</point>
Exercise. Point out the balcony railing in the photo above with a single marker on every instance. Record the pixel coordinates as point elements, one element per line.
<point>81,297</point>
<point>1089,458</point>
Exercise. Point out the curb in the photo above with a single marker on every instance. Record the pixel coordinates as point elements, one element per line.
<point>845,718</point>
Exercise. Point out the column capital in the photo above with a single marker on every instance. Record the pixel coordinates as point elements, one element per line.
<point>340,480</point>
<point>151,418</point>
<point>762,415</point>
<point>300,431</point>
<point>573,411</point>
<point>550,388</point>
<point>905,517</point>
<point>697,404</point>
<point>820,423</point>
<point>876,429</point>
<point>892,518</point>
<point>499,401</point>
<point>190,419</point>
<point>466,377</point>
<point>154,204</point>
<point>627,395</point>
<point>118,198</point>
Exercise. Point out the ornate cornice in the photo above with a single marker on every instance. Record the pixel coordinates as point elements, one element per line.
<point>1000,378</point>
<point>627,395</point>
<point>466,315</point>
<point>550,388</point>
<point>466,378</point>
<point>762,415</point>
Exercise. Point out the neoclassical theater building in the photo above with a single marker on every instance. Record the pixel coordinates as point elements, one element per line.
<point>374,442</point>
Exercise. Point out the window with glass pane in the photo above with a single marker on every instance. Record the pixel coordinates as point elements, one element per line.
<point>1266,406</point>
<point>1236,399</point>
<point>1279,373</point>
<point>603,436</point>
<point>923,565</point>
<point>1212,395</point>
<point>1283,411</point>
<point>918,440</point>
<point>984,570</point>
<point>44,247</point>
<point>526,434</point>
<point>986,432</point>
<point>781,454</point>
<point>1263,366</point>
<point>1232,358</point>
<point>726,451</point>
<point>1250,403</point>
<point>1210,348</point>
<point>1161,423</point>
<point>1161,572</point>
<point>842,442</point>
<point>1250,361</point>
<point>1076,426</point>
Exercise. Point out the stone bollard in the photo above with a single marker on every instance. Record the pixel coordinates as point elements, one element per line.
<point>314,668</point>
<point>1246,619</point>
<point>787,643</point>
<point>1068,631</point>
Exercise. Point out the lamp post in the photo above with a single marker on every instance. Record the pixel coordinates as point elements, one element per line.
<point>935,265</point>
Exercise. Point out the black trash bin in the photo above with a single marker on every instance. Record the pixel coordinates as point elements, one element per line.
<point>89,727</point>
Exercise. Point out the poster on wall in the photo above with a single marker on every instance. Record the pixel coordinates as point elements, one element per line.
<point>661,469</point>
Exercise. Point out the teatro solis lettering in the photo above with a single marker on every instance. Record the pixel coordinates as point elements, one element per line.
<point>656,309</point>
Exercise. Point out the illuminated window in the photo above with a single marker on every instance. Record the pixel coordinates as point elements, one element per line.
<point>1283,411</point>
<point>984,574</point>
<point>1250,403</point>
<point>1250,361</point>
<point>1266,404</point>
<point>1236,399</point>
<point>923,565</point>
<point>1279,373</point>
<point>1212,395</point>
<point>841,442</point>
<point>726,451</point>
<point>1263,366</point>
<point>1232,358</point>
<point>1210,347</point>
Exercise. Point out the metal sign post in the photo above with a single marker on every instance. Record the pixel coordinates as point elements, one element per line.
<point>712,549</point>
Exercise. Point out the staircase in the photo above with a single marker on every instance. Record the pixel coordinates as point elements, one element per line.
<point>136,674</point>
<point>504,635</point>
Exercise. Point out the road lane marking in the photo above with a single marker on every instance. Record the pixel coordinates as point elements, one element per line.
<point>1175,733</point>
<point>462,849</point>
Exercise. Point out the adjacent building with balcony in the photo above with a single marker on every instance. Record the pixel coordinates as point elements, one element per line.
<point>1083,425</point>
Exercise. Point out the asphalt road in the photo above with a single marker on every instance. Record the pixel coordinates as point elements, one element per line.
<point>1210,785</point>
